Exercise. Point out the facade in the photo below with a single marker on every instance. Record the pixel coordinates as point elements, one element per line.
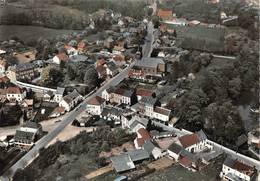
<point>59,94</point>
<point>70,101</point>
<point>15,94</point>
<point>155,67</point>
<point>3,65</point>
<point>195,142</point>
<point>23,71</point>
<point>96,105</point>
<point>119,96</point>
<point>61,57</point>
<point>27,135</point>
<point>233,170</point>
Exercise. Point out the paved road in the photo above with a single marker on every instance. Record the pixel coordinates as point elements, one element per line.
<point>28,157</point>
<point>148,46</point>
<point>33,153</point>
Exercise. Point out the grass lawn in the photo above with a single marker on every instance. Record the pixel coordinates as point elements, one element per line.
<point>200,37</point>
<point>27,33</point>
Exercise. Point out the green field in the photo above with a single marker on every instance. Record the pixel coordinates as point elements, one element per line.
<point>200,37</point>
<point>27,33</point>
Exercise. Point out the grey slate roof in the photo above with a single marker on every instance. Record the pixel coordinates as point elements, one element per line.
<point>149,146</point>
<point>60,90</point>
<point>229,162</point>
<point>202,136</point>
<point>24,136</point>
<point>122,163</point>
<point>148,101</point>
<point>111,66</point>
<point>78,58</point>
<point>149,62</point>
<point>24,66</point>
<point>138,155</point>
<point>175,148</point>
<point>31,124</point>
<point>70,97</point>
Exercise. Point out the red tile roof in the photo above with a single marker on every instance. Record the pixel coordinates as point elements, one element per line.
<point>188,140</point>
<point>101,69</point>
<point>81,45</point>
<point>162,111</point>
<point>144,136</point>
<point>63,57</point>
<point>4,79</point>
<point>13,90</point>
<point>100,62</point>
<point>243,168</point>
<point>164,14</point>
<point>96,101</point>
<point>144,92</point>
<point>185,162</point>
<point>59,110</point>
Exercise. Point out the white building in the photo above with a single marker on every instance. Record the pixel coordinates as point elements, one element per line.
<point>59,94</point>
<point>194,143</point>
<point>26,136</point>
<point>14,94</point>
<point>174,151</point>
<point>234,170</point>
<point>70,100</point>
<point>96,105</point>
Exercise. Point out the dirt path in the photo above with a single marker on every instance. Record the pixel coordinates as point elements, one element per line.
<point>99,172</point>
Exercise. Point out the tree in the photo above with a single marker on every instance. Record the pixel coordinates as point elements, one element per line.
<point>91,77</point>
<point>234,88</point>
<point>51,76</point>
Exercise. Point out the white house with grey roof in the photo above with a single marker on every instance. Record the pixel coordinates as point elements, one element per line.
<point>71,100</point>
<point>59,94</point>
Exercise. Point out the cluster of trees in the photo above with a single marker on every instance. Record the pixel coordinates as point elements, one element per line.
<point>210,103</point>
<point>9,115</point>
<point>88,145</point>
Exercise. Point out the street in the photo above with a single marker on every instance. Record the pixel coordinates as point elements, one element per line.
<point>32,154</point>
<point>68,119</point>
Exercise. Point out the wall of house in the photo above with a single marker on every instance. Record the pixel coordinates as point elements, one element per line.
<point>173,155</point>
<point>226,170</point>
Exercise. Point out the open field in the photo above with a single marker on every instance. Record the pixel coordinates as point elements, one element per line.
<point>27,33</point>
<point>200,37</point>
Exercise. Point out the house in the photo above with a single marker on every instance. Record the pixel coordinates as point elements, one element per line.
<point>102,71</point>
<point>112,114</point>
<point>111,69</point>
<point>22,71</point>
<point>71,100</point>
<point>119,95</point>
<point>195,142</point>
<point>57,112</point>
<point>4,81</point>
<point>3,95</point>
<point>174,151</point>
<point>162,114</point>
<point>15,94</point>
<point>152,149</point>
<point>146,106</point>
<point>165,14</point>
<point>154,67</point>
<point>71,51</point>
<point>142,136</point>
<point>164,134</point>
<point>3,65</point>
<point>234,169</point>
<point>140,93</point>
<point>48,96</point>
<point>122,163</point>
<point>27,135</point>
<point>177,22</point>
<point>82,45</point>
<point>60,57</point>
<point>96,105</point>
<point>27,106</point>
<point>127,160</point>
<point>188,160</point>
<point>59,94</point>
